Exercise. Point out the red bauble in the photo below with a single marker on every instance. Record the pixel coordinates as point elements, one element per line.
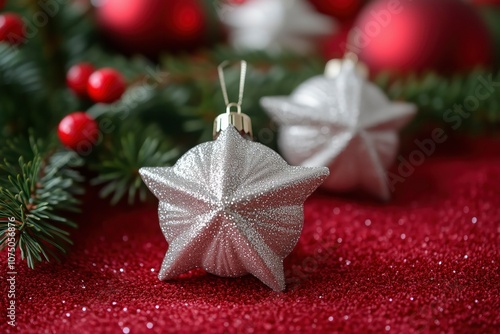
<point>106,85</point>
<point>340,9</point>
<point>486,2</point>
<point>415,36</point>
<point>148,27</point>
<point>78,77</point>
<point>11,29</point>
<point>335,45</point>
<point>2,4</point>
<point>78,131</point>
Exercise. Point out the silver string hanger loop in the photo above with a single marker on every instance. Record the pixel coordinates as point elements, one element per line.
<point>243,73</point>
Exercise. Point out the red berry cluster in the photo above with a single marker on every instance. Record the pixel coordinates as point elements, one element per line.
<point>79,131</point>
<point>105,85</point>
<point>12,29</point>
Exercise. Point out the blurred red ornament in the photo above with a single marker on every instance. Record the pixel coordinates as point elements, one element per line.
<point>148,27</point>
<point>78,77</point>
<point>78,131</point>
<point>486,2</point>
<point>335,46</point>
<point>2,4</point>
<point>340,9</point>
<point>106,85</point>
<point>414,36</point>
<point>12,29</point>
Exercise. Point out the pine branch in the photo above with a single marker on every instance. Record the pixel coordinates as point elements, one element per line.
<point>25,100</point>
<point>435,95</point>
<point>120,159</point>
<point>19,77</point>
<point>33,193</point>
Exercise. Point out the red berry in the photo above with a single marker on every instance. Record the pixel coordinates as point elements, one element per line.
<point>106,85</point>
<point>78,77</point>
<point>11,29</point>
<point>78,131</point>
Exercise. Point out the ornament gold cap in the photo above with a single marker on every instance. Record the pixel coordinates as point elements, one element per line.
<point>240,121</point>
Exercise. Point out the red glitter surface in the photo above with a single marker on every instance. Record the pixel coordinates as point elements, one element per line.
<point>425,262</point>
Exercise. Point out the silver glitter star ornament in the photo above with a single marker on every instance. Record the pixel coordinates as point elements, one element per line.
<point>231,206</point>
<point>342,121</point>
<point>275,25</point>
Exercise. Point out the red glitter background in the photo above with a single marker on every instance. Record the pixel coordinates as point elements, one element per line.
<point>425,262</point>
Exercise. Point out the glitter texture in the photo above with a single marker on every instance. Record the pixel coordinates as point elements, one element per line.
<point>345,123</point>
<point>231,207</point>
<point>433,208</point>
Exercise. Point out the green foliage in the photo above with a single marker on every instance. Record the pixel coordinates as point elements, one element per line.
<point>119,162</point>
<point>20,78</point>
<point>435,95</point>
<point>34,192</point>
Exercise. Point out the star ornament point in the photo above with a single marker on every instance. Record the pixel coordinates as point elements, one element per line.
<point>231,207</point>
<point>345,123</point>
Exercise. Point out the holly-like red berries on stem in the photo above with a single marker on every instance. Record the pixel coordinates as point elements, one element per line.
<point>78,131</point>
<point>11,28</point>
<point>106,85</point>
<point>77,78</point>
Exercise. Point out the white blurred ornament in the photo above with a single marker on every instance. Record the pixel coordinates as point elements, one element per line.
<point>274,25</point>
<point>342,121</point>
<point>231,206</point>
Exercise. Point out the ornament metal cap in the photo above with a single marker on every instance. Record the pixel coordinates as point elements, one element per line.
<point>240,121</point>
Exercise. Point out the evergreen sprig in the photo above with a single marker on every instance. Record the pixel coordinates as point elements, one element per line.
<point>119,162</point>
<point>34,192</point>
<point>435,95</point>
